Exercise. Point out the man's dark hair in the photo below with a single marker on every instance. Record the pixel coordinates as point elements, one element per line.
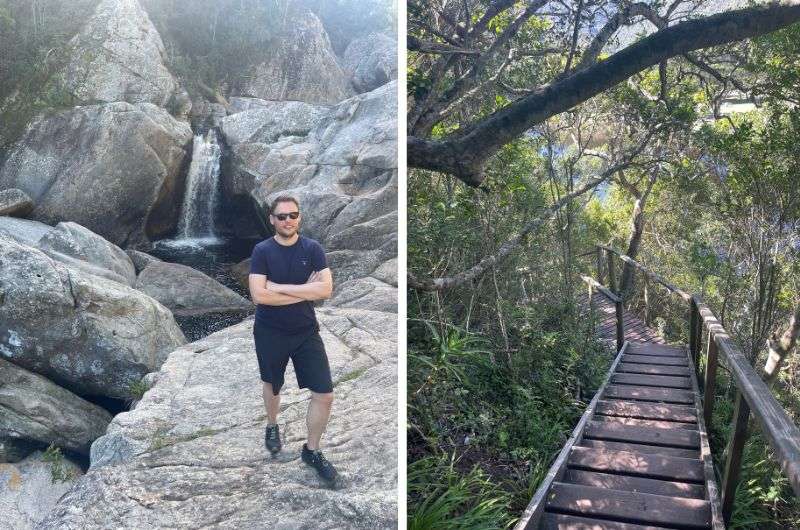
<point>280,199</point>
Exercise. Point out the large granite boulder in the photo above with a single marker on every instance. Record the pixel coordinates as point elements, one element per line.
<point>371,61</point>
<point>118,175</point>
<point>35,410</point>
<point>140,259</point>
<point>343,172</point>
<point>187,291</point>
<point>88,334</point>
<point>117,56</point>
<point>15,202</point>
<point>31,488</point>
<point>191,454</point>
<point>25,231</point>
<point>300,66</point>
<point>266,121</point>
<point>81,243</point>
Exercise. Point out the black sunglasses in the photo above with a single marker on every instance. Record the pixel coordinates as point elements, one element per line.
<point>283,216</point>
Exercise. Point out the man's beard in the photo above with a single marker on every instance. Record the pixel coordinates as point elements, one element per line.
<point>287,233</point>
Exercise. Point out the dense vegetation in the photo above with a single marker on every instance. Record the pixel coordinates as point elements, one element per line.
<point>695,180</point>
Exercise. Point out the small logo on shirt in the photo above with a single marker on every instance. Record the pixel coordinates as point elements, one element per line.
<point>304,261</point>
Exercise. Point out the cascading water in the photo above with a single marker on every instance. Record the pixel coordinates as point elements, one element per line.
<point>202,189</point>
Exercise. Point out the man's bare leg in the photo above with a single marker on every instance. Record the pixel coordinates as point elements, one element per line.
<point>319,409</point>
<point>272,404</point>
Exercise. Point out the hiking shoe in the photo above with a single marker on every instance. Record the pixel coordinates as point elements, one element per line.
<point>272,439</point>
<point>325,469</point>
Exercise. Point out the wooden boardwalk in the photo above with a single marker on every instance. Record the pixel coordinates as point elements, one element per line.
<point>639,458</point>
<point>635,328</point>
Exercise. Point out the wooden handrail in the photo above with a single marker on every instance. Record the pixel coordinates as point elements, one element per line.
<point>652,275</point>
<point>753,394</point>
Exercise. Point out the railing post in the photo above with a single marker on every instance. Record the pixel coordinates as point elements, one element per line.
<point>600,271</point>
<point>733,462</point>
<point>695,332</point>
<point>612,284</point>
<point>711,380</point>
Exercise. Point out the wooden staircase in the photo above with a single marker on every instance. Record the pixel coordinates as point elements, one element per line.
<point>639,458</point>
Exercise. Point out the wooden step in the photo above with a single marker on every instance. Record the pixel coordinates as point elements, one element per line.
<point>656,349</point>
<point>646,393</point>
<point>625,506</point>
<point>636,464</point>
<point>617,432</point>
<point>645,423</point>
<point>651,359</point>
<point>641,448</point>
<point>647,411</point>
<point>559,521</point>
<point>652,369</point>
<point>635,484</point>
<point>663,381</point>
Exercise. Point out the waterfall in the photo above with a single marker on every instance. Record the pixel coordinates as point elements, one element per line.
<point>202,189</point>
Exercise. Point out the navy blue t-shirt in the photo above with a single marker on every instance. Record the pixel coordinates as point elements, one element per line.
<point>291,264</point>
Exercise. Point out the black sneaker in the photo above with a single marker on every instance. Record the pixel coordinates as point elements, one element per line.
<point>325,469</point>
<point>272,439</point>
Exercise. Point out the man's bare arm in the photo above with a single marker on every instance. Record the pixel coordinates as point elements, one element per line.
<point>318,287</point>
<point>261,295</point>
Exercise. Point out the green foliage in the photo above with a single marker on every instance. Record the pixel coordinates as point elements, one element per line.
<point>58,471</point>
<point>444,499</point>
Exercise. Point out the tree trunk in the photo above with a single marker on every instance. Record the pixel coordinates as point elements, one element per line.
<point>779,348</point>
<point>635,239</point>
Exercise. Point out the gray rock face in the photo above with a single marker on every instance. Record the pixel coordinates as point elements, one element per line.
<point>86,333</point>
<point>118,56</point>
<point>366,293</point>
<point>140,259</point>
<point>15,203</point>
<point>34,409</point>
<point>371,61</point>
<point>300,67</point>
<point>28,491</point>
<point>79,242</point>
<point>118,175</point>
<point>14,450</point>
<point>24,230</point>
<point>344,174</point>
<point>191,453</point>
<point>267,121</point>
<point>187,291</point>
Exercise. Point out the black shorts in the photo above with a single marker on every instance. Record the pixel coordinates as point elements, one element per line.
<point>307,352</point>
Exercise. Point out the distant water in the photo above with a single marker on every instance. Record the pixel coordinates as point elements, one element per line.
<point>201,201</point>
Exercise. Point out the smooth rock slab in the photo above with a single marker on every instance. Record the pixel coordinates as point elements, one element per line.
<point>191,454</point>
<point>15,203</point>
<point>187,291</point>
<point>28,491</point>
<point>371,61</point>
<point>34,409</point>
<point>88,334</point>
<point>114,168</point>
<point>79,242</point>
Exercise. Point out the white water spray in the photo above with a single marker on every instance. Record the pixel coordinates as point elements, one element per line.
<point>202,189</point>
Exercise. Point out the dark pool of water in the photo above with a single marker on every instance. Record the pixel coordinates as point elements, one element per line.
<point>213,257</point>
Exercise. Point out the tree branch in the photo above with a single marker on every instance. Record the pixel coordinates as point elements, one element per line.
<point>465,153</point>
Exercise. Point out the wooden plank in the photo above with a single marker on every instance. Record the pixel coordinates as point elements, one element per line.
<point>647,411</point>
<point>645,393</point>
<point>617,432</point>
<point>652,369</point>
<point>652,359</point>
<point>641,508</point>
<point>661,350</point>
<point>657,424</point>
<point>559,521</point>
<point>637,464</point>
<point>641,448</point>
<point>533,512</point>
<point>635,484</point>
<point>663,381</point>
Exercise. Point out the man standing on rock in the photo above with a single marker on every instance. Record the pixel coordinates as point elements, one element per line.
<point>287,273</point>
